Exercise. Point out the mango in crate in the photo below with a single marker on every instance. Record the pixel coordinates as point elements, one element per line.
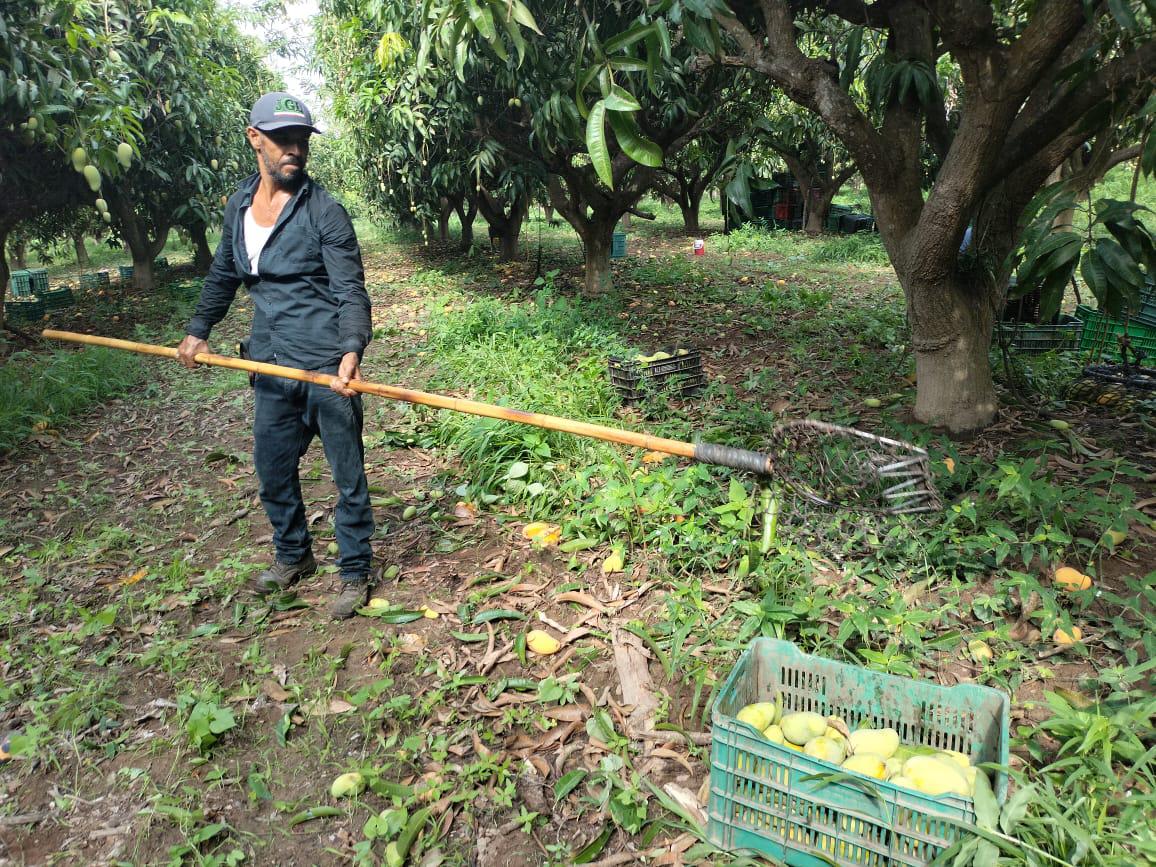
<point>936,776</point>
<point>880,742</point>
<point>760,714</point>
<point>802,727</point>
<point>826,749</point>
<point>774,734</point>
<point>868,764</point>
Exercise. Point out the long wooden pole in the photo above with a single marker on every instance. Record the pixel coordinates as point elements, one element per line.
<point>470,407</point>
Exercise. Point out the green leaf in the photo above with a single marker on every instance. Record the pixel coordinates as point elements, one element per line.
<point>392,616</point>
<point>620,99</point>
<point>986,806</point>
<point>497,614</point>
<point>483,21</point>
<point>308,815</point>
<point>1016,808</point>
<point>596,143</point>
<point>568,783</point>
<point>470,637</point>
<point>630,138</point>
<point>523,16</point>
<point>594,848</point>
<point>627,37</point>
<point>1123,14</point>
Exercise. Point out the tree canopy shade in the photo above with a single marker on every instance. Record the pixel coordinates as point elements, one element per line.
<point>122,104</point>
<point>1035,81</point>
<point>970,107</point>
<point>483,93</point>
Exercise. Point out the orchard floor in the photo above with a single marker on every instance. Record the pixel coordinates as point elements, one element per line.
<point>129,534</point>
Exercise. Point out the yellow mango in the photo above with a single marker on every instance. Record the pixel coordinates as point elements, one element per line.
<point>760,714</point>
<point>879,742</point>
<point>936,777</point>
<point>774,733</point>
<point>959,758</point>
<point>868,764</point>
<point>801,727</point>
<point>347,785</point>
<point>542,643</point>
<point>900,780</point>
<point>893,768</point>
<point>824,748</point>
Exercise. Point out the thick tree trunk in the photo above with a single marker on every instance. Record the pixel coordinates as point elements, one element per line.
<point>19,255</point>
<point>135,231</point>
<point>818,206</point>
<point>4,273</point>
<point>598,240</point>
<point>202,253</point>
<point>508,246</point>
<point>951,335</point>
<point>445,208</point>
<point>143,276</point>
<point>81,250</point>
<point>466,218</point>
<point>690,208</point>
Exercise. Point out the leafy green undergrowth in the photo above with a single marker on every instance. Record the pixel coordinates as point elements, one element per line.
<point>39,390</point>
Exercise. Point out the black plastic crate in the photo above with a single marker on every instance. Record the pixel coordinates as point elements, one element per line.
<point>58,298</point>
<point>1031,339</point>
<point>680,374</point>
<point>25,310</point>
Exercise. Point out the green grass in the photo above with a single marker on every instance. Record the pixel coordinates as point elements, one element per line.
<point>39,391</point>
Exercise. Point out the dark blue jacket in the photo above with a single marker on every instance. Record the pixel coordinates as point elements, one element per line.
<point>310,306</point>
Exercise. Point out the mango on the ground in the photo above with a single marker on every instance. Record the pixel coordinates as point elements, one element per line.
<point>347,785</point>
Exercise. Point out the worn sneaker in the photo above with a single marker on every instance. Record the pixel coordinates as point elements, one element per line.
<point>353,595</point>
<point>281,576</point>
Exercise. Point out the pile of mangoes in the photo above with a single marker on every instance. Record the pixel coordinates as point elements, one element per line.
<point>875,753</point>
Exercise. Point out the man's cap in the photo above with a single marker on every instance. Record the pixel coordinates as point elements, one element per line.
<point>280,110</point>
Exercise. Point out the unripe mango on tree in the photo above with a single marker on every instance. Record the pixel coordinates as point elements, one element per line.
<point>101,205</point>
<point>213,164</point>
<point>124,154</point>
<point>114,56</point>
<point>33,122</point>
<point>106,216</point>
<point>79,159</point>
<point>92,175</point>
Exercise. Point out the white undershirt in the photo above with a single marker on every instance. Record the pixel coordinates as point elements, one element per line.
<point>255,238</point>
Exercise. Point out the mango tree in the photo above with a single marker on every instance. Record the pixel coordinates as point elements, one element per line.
<point>197,77</point>
<point>1037,80</point>
<point>57,93</point>
<point>598,101</point>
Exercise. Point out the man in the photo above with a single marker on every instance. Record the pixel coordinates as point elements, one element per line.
<point>295,250</point>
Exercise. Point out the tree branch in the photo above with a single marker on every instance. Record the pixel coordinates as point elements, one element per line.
<point>1067,109</point>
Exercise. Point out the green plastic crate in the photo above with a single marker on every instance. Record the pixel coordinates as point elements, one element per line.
<point>760,800</point>
<point>618,245</point>
<point>58,298</point>
<point>21,284</point>
<point>126,272</point>
<point>1101,332</point>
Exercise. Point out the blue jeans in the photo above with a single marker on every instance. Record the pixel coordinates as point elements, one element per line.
<point>288,415</point>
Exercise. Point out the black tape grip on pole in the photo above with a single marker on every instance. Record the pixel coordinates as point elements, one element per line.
<point>738,459</point>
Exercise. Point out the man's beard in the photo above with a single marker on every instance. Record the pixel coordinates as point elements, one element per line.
<point>288,180</point>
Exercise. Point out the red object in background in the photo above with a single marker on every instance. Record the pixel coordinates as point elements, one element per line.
<point>783,211</point>
<point>699,247</point>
